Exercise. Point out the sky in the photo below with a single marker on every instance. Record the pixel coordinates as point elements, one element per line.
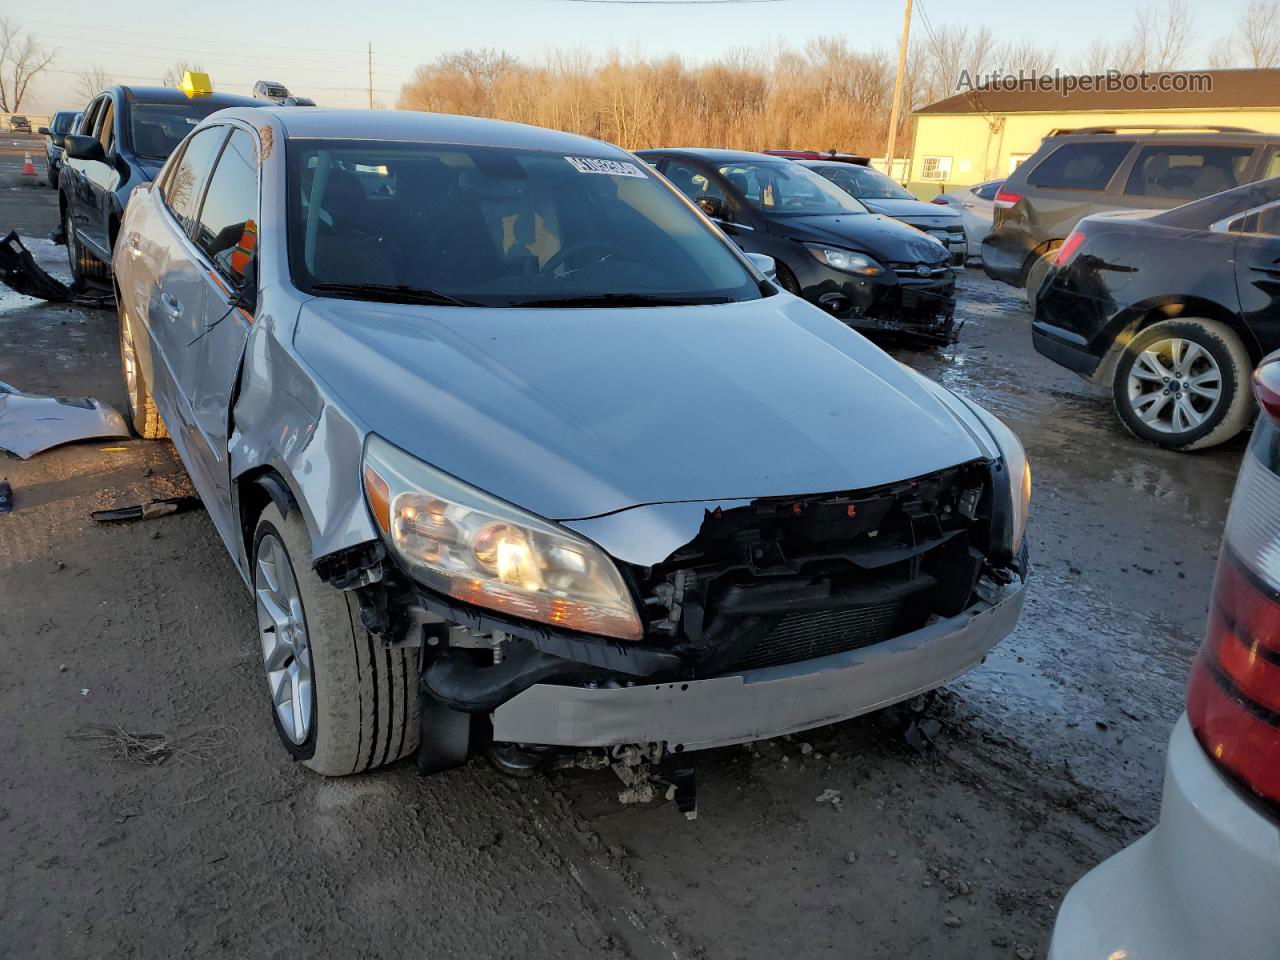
<point>318,48</point>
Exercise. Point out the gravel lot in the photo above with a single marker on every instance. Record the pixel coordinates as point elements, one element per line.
<point>1049,758</point>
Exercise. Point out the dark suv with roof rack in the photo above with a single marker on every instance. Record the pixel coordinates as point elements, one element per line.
<point>126,133</point>
<point>1079,172</point>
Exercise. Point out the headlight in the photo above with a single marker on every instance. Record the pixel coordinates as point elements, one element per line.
<point>1019,472</point>
<point>481,550</point>
<point>846,260</point>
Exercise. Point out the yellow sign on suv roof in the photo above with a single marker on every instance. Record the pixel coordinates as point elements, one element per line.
<point>195,84</point>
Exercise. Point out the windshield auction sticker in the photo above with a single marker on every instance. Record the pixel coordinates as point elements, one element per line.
<point>613,168</point>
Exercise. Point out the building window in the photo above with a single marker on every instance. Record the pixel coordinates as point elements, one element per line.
<point>935,168</point>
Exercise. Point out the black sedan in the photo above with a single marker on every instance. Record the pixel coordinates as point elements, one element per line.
<point>870,271</point>
<point>59,126</point>
<point>1170,311</point>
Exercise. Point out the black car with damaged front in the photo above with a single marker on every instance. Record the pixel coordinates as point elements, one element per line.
<point>871,271</point>
<point>1170,311</point>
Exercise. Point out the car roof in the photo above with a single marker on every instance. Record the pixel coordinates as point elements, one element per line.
<point>174,95</point>
<point>416,127</point>
<point>713,154</point>
<point>1166,136</point>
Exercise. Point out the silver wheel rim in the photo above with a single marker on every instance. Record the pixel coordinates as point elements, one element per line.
<point>130,363</point>
<point>282,628</point>
<point>1175,385</point>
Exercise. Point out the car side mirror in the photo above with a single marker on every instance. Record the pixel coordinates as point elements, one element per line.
<point>43,131</point>
<point>765,264</point>
<point>713,207</point>
<point>82,147</point>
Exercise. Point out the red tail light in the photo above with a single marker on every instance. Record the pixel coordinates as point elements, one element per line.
<point>1004,198</point>
<point>1068,249</point>
<point>1233,701</point>
<point>939,200</point>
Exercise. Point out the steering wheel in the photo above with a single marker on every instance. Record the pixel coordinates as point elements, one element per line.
<point>561,256</point>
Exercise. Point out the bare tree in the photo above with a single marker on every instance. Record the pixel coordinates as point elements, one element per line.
<point>90,82</point>
<point>1159,40</point>
<point>172,75</point>
<point>1260,34</point>
<point>1223,55</point>
<point>22,57</point>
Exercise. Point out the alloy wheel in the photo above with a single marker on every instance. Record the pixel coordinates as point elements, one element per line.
<point>1175,385</point>
<point>282,628</point>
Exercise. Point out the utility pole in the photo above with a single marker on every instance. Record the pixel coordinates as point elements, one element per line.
<point>897,88</point>
<point>371,67</point>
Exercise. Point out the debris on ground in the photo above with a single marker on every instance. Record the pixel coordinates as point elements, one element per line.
<point>31,423</point>
<point>149,510</point>
<point>828,796</point>
<point>6,497</point>
<point>20,272</point>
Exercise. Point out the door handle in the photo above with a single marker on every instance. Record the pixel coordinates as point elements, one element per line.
<point>171,306</point>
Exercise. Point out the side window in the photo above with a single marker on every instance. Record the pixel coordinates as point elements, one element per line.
<point>691,181</point>
<point>1187,172</point>
<point>1080,166</point>
<point>182,188</point>
<point>228,224</point>
<point>106,132</point>
<point>89,118</point>
<point>1272,166</point>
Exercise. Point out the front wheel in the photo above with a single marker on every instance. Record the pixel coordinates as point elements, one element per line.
<point>341,701</point>
<point>786,279</point>
<point>1184,384</point>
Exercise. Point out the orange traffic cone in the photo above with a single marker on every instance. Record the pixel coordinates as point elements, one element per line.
<point>28,168</point>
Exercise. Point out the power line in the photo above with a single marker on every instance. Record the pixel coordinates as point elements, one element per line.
<point>668,3</point>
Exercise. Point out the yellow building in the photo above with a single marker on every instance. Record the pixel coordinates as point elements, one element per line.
<point>983,134</point>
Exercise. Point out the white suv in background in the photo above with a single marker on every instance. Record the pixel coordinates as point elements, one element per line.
<point>1205,882</point>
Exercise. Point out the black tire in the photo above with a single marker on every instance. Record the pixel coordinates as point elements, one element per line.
<point>365,702</point>
<point>1036,275</point>
<point>144,418</point>
<point>84,265</point>
<point>1221,420</point>
<point>53,179</point>
<point>786,279</point>
<point>75,256</point>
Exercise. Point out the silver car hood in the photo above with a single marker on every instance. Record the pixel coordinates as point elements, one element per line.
<point>575,413</point>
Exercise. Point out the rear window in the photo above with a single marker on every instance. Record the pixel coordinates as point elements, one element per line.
<point>1080,166</point>
<point>1187,172</point>
<point>62,122</point>
<point>988,190</point>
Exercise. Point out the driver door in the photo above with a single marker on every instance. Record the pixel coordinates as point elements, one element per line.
<point>698,182</point>
<point>225,237</point>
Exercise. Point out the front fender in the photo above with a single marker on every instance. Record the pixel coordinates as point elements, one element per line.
<point>285,421</point>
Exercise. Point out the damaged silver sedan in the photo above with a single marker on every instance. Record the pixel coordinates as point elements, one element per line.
<point>514,447</point>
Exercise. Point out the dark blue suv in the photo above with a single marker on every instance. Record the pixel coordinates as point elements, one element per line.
<point>124,137</point>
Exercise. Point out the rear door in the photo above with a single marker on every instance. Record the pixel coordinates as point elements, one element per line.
<point>175,288</point>
<point>226,240</point>
<point>1258,274</point>
<point>1168,174</point>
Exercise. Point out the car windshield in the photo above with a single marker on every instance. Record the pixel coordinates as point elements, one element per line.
<point>783,187</point>
<point>156,128</point>
<point>61,122</point>
<point>864,182</point>
<point>497,226</point>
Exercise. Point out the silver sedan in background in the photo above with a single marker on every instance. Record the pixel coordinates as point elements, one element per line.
<point>977,209</point>
<point>511,444</point>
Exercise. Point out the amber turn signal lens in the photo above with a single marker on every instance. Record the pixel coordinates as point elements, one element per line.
<point>378,494</point>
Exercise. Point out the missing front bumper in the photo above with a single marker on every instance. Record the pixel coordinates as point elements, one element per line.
<point>767,702</point>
